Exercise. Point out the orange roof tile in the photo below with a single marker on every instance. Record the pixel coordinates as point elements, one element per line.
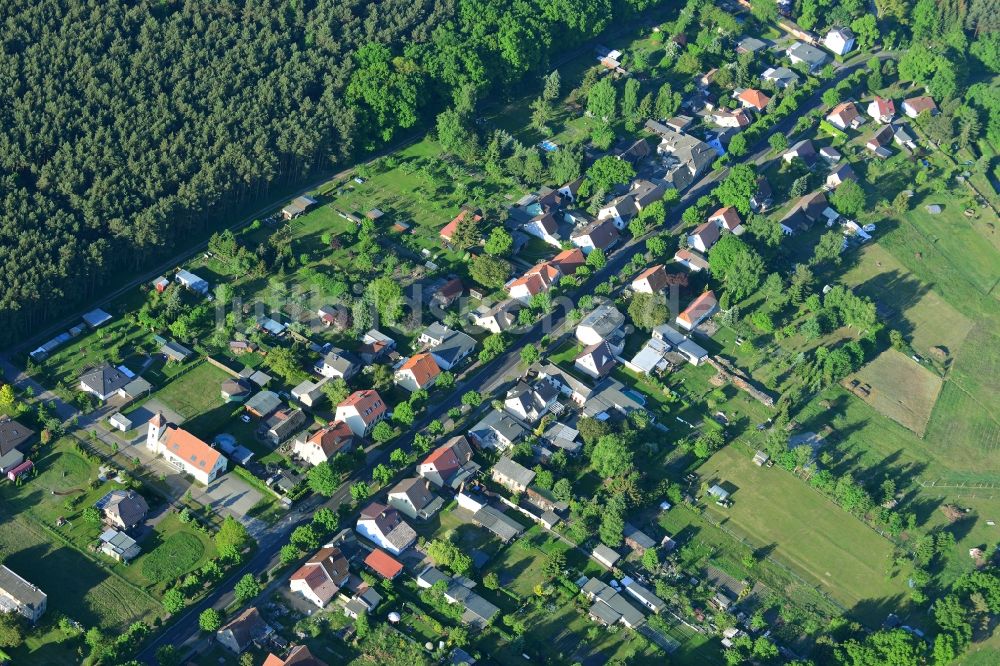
<point>190,449</point>
<point>383,563</point>
<point>755,98</point>
<point>423,367</point>
<point>698,307</point>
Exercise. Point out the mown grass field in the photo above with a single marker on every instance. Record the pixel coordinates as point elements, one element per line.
<point>806,531</point>
<point>171,551</point>
<point>195,392</point>
<point>902,389</point>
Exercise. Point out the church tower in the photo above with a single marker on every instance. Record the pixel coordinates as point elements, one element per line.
<point>156,426</point>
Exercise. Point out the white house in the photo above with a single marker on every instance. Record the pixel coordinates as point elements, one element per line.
<point>596,361</point>
<point>882,110</point>
<point>651,281</point>
<point>619,211</point>
<point>530,403</point>
<point>839,40</point>
<point>704,236</point>
<point>420,371</point>
<point>545,227</point>
<point>599,325</point>
<point>321,578</point>
<point>914,106</point>
<point>338,364</point>
<point>699,309</point>
<point>727,218</point>
<point>361,411</point>
<point>414,498</point>
<point>19,596</point>
<point>845,115</point>
<point>183,451</point>
<point>324,444</point>
<point>386,528</point>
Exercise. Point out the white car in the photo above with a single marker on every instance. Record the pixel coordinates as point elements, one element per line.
<point>868,228</point>
<point>245,418</point>
<point>359,180</point>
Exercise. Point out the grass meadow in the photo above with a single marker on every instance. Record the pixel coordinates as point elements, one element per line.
<point>803,529</point>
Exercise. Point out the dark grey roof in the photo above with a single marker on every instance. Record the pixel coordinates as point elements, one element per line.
<point>751,44</point>
<point>20,589</point>
<point>807,53</point>
<point>13,435</point>
<point>264,402</point>
<point>128,506</point>
<point>342,361</point>
<point>105,379</point>
<point>513,471</point>
<point>498,422</point>
<point>502,525</point>
<point>633,533</point>
<point>455,346</point>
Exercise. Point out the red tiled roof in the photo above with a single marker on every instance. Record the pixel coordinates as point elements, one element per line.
<point>729,215</point>
<point>332,438</point>
<point>448,230</point>
<point>884,106</point>
<point>708,232</point>
<point>569,260</point>
<point>368,404</point>
<point>190,449</point>
<point>383,563</point>
<point>698,307</point>
<point>755,98</point>
<point>920,104</point>
<point>656,276</point>
<point>423,367</point>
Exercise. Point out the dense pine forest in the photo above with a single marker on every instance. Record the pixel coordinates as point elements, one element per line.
<point>129,126</point>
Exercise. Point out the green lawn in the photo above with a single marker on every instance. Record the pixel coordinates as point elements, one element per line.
<point>811,534</point>
<point>171,551</point>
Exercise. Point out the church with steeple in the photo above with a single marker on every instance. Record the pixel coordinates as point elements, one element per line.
<point>183,451</point>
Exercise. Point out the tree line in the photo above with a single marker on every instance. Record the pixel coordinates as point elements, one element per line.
<point>128,127</point>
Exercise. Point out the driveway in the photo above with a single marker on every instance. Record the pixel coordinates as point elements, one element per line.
<point>231,494</point>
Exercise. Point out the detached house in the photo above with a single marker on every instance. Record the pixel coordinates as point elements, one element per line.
<point>914,106</point>
<point>545,275</point>
<point>14,439</point>
<point>601,234</point>
<point>726,118</point>
<point>781,77</point>
<point>620,210</point>
<point>361,411</point>
<point>418,372</point>
<point>845,115</point>
<point>753,99</point>
<point>122,509</point>
<point>604,323</point>
<point>448,230</point>
<point>497,430</point>
<point>728,219</point>
<point>802,150</point>
<point>414,498</point>
<point>596,361</point>
<point>879,141</point>
<point>298,656</point>
<point>812,57</point>
<point>450,464</point>
<point>512,475</point>
<point>243,631</point>
<point>653,280</point>
<point>531,403</point>
<point>375,345</point>
<point>320,579</point>
<point>700,309</point>
<point>882,110</point>
<point>691,260</point>
<point>545,227</point>
<point>386,528</point>
<point>497,319</point>
<point>839,40</point>
<point>104,381</point>
<point>704,236</point>
<point>19,596</point>
<point>338,364</point>
<point>447,347</point>
<point>322,445</point>
<point>839,174</point>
